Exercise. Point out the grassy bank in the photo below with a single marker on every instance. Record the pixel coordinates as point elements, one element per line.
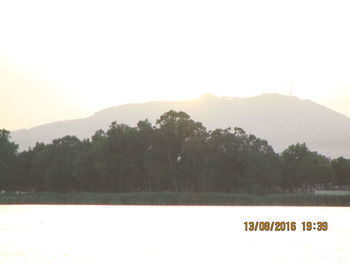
<point>298,199</point>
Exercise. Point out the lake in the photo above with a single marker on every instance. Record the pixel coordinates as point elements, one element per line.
<point>50,233</point>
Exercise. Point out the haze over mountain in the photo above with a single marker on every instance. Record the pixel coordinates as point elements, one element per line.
<point>282,120</point>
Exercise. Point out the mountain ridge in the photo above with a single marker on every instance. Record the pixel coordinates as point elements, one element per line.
<point>281,120</point>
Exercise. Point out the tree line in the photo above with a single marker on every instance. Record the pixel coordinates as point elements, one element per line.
<point>176,154</point>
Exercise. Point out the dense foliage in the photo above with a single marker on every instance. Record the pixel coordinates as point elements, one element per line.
<point>176,155</point>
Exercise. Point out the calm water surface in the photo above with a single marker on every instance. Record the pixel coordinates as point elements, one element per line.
<point>48,234</point>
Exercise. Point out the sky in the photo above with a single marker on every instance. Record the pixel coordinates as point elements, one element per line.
<point>68,59</point>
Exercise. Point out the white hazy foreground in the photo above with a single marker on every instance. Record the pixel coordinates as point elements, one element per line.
<point>168,234</point>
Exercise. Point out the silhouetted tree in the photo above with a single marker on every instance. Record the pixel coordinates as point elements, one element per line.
<point>8,161</point>
<point>175,130</point>
<point>304,169</point>
<point>64,152</point>
<point>341,168</point>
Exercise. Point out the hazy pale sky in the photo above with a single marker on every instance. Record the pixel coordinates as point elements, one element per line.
<point>67,59</point>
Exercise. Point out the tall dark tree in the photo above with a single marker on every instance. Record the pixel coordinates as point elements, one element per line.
<point>304,169</point>
<point>35,166</point>
<point>341,168</point>
<point>241,162</point>
<point>175,129</point>
<point>121,165</point>
<point>64,152</point>
<point>8,161</point>
<point>146,134</point>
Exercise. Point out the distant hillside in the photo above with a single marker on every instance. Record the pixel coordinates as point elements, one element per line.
<point>282,120</point>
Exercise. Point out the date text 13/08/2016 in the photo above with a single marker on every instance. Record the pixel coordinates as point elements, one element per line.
<point>285,226</point>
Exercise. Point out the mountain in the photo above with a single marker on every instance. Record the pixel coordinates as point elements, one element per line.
<point>282,120</point>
